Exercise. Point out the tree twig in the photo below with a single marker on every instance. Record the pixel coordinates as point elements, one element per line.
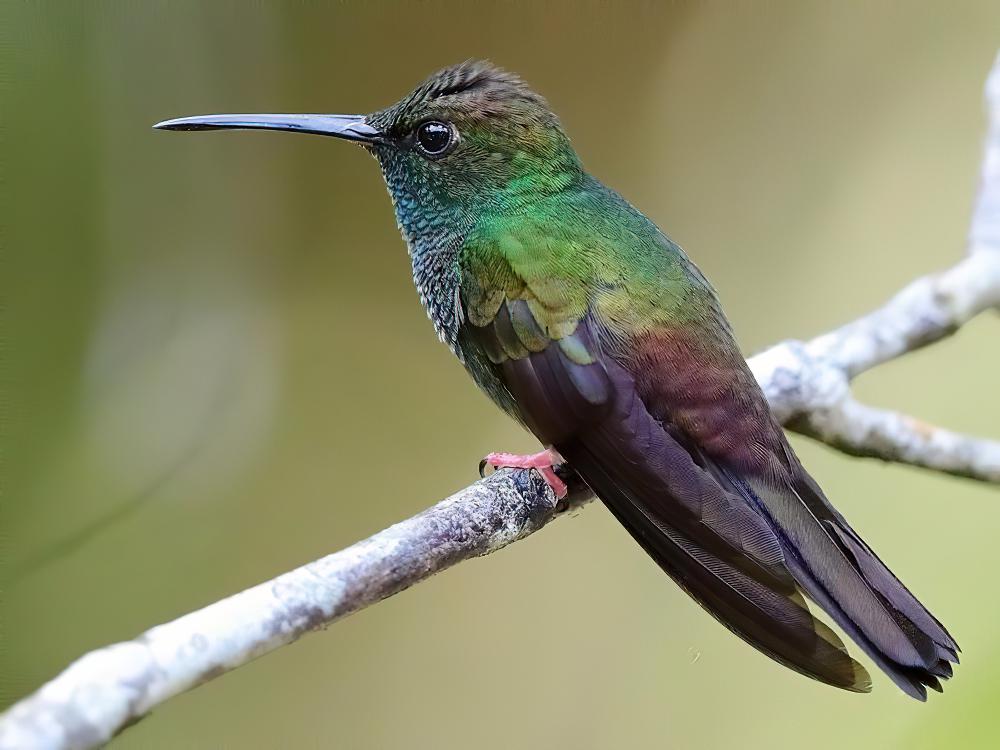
<point>807,384</point>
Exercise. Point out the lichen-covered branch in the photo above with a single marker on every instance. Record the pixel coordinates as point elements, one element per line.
<point>807,384</point>
<point>863,430</point>
<point>108,689</point>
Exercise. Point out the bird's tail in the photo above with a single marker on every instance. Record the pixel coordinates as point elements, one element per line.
<point>838,571</point>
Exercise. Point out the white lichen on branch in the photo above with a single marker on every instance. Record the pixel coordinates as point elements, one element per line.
<point>110,688</point>
<point>807,384</point>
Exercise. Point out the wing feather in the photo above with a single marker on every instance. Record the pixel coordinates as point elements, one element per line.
<point>708,540</point>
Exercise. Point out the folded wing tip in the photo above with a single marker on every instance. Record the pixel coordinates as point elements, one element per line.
<point>862,679</point>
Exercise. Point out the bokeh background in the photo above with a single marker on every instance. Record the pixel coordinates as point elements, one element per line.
<point>216,367</point>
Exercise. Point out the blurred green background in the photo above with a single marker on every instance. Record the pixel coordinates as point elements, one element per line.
<point>216,367</point>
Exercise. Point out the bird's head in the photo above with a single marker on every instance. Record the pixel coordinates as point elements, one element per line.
<point>470,139</point>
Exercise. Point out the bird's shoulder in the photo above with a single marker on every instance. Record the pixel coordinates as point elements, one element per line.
<point>566,252</point>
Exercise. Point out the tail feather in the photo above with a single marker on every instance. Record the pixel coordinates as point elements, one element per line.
<point>906,641</point>
<point>911,680</point>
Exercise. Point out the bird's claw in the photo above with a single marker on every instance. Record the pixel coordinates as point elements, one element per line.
<point>542,462</point>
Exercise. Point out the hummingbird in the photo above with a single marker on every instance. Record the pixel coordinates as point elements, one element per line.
<point>584,322</point>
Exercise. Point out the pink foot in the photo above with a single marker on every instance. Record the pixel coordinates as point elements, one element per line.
<point>540,462</point>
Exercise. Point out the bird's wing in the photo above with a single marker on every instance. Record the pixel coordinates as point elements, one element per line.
<point>665,422</point>
<point>717,548</point>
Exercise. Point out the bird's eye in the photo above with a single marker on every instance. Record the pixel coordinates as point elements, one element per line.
<point>435,138</point>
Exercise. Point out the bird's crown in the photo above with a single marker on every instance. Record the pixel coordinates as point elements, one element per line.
<point>474,134</point>
<point>472,91</point>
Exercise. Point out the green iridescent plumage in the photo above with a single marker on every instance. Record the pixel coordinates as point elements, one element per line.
<point>582,320</point>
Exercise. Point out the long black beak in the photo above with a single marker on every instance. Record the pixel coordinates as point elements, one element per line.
<point>348,127</point>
